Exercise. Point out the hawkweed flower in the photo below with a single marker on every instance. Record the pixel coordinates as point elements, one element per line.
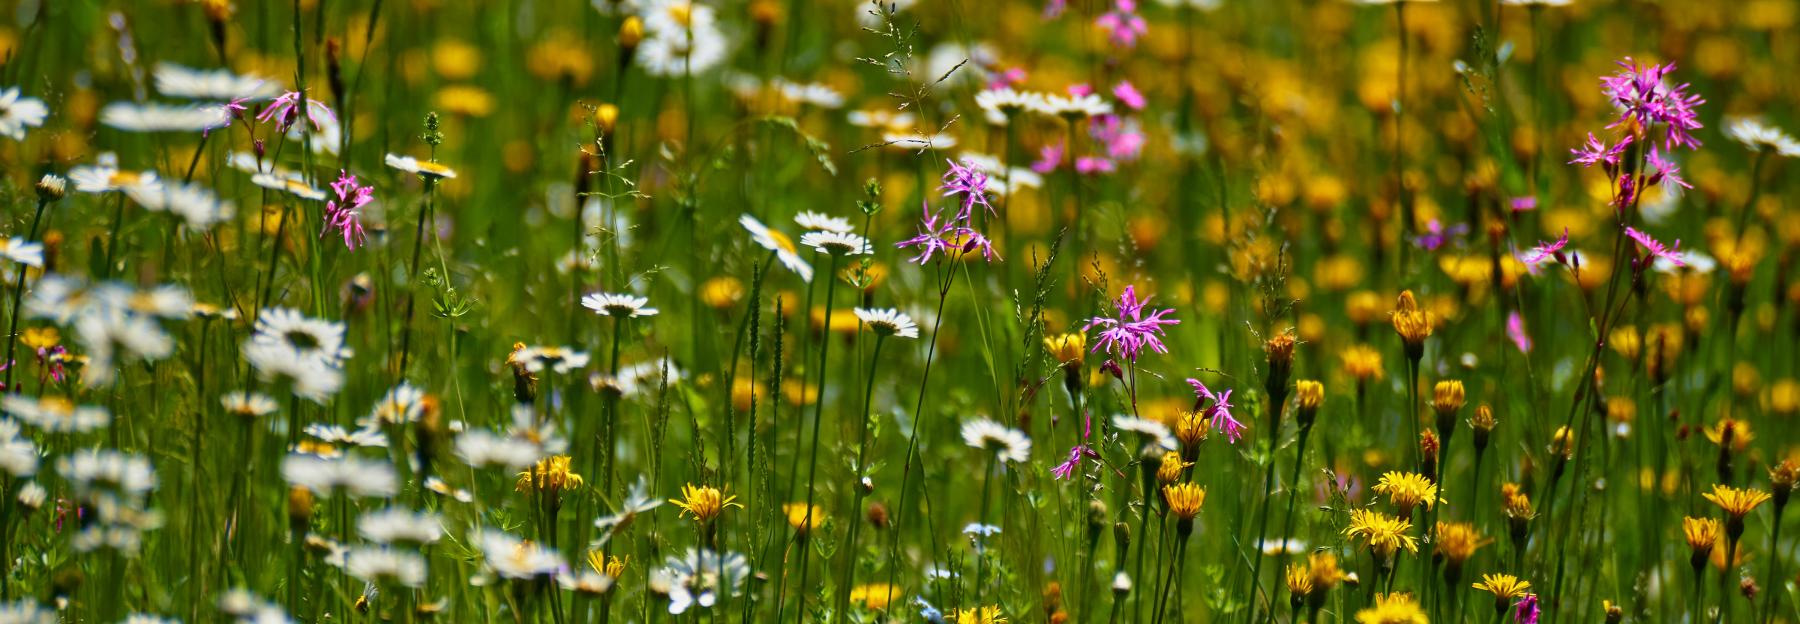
<point>1171,467</point>
<point>803,518</point>
<point>1701,534</point>
<point>1069,350</point>
<point>549,477</point>
<point>1781,483</point>
<point>1279,353</point>
<point>1737,503</point>
<point>1456,543</point>
<point>875,596</point>
<point>1504,587</point>
<point>1482,424</point>
<point>978,615</point>
<point>1309,394</point>
<point>1299,583</point>
<point>1393,609</point>
<point>1192,428</point>
<point>1447,398</point>
<point>704,502</point>
<point>1413,325</point>
<point>1129,331</point>
<point>1516,506</point>
<point>1184,500</point>
<point>1363,363</point>
<point>1009,445</point>
<point>1407,490</point>
<point>1382,534</point>
<point>1322,568</point>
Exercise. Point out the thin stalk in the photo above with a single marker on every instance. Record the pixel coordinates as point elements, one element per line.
<point>847,574</point>
<point>812,470</point>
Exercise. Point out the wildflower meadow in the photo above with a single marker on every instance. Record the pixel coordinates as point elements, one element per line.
<point>942,311</point>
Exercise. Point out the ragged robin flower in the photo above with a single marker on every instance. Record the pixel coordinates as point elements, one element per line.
<point>704,502</point>
<point>1412,324</point>
<point>1393,609</point>
<point>1407,490</point>
<point>1701,534</point>
<point>1504,587</point>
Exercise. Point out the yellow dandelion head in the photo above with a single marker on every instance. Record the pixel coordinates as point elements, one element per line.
<point>803,517</point>
<point>1184,500</point>
<point>1393,609</point>
<point>1736,502</point>
<point>1504,587</point>
<point>703,502</point>
<point>550,475</point>
<point>1407,490</point>
<point>1171,467</point>
<point>874,596</point>
<point>1458,541</point>
<point>1381,533</point>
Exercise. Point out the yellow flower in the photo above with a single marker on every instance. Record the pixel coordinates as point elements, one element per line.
<point>874,596</point>
<point>615,568</point>
<point>1730,433</point>
<point>1299,581</point>
<point>1068,349</point>
<point>1701,534</point>
<point>1736,502</point>
<point>1381,533</point>
<point>1362,362</point>
<point>550,476</point>
<point>1407,490</point>
<point>1184,500</point>
<point>36,338</point>
<point>978,615</point>
<point>803,517</point>
<point>722,293</point>
<point>1412,324</point>
<point>1447,397</point>
<point>1170,469</point>
<point>1191,428</point>
<point>1504,587</point>
<point>703,502</point>
<point>1458,541</point>
<point>1393,609</point>
<point>1323,568</point>
<point>1309,394</point>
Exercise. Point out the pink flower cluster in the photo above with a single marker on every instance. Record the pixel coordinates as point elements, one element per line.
<point>344,213</point>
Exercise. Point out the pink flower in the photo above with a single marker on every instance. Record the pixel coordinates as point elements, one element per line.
<point>1654,249</point>
<point>1642,94</point>
<point>1524,203</point>
<point>1049,158</point>
<point>1129,330</point>
<point>1596,152</point>
<point>343,213</point>
<point>968,181</point>
<point>1122,138</point>
<point>1080,90</point>
<point>1219,411</point>
<point>1666,170</point>
<point>286,110</point>
<point>1006,79</point>
<point>1547,250</point>
<point>1089,165</point>
<point>1129,95</point>
<point>1515,329</point>
<point>1067,469</point>
<point>1123,24</point>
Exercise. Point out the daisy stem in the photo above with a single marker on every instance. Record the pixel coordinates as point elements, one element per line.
<point>912,447</point>
<point>112,235</point>
<point>1137,573</point>
<point>812,470</point>
<point>412,274</point>
<point>848,574</point>
<point>981,555</point>
<point>12,332</point>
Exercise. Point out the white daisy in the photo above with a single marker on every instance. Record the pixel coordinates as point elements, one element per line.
<point>211,84</point>
<point>107,470</point>
<point>818,221</point>
<point>1149,430</point>
<point>914,140</point>
<point>637,501</point>
<point>779,243</point>
<point>559,360</point>
<point>18,456</point>
<point>18,113</point>
<point>699,578</point>
<point>398,526</point>
<point>52,187</point>
<point>367,437</point>
<point>308,337</point>
<point>249,163</point>
<point>248,404</point>
<point>585,582</point>
<point>145,618</point>
<point>134,117</point>
<point>350,475</point>
<point>1757,136</point>
<point>197,206</point>
<point>31,495</point>
<point>1011,445</point>
<point>291,185</point>
<point>54,414</point>
<point>104,176</point>
<point>514,558</point>
<point>811,93</point>
<point>402,404</point>
<point>836,243</point>
<point>382,565</point>
<point>618,305</point>
<point>880,118</point>
<point>438,486</point>
<point>28,611</point>
<point>888,322</point>
<point>107,330</point>
<point>326,135</point>
<point>22,251</point>
<point>421,168</point>
<point>1090,105</point>
<point>635,377</point>
<point>1003,103</point>
<point>481,448</point>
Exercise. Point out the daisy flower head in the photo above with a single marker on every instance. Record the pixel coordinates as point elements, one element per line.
<point>1129,330</point>
<point>22,251</point>
<point>700,578</point>
<point>145,118</point>
<point>55,414</point>
<point>18,113</point>
<point>305,352</point>
<point>1149,431</point>
<point>1004,103</point>
<point>402,404</point>
<point>1074,106</point>
<point>425,169</point>
<point>52,187</point>
<point>481,448</point>
<point>18,456</point>
<point>105,176</point>
<point>821,222</point>
<point>888,322</point>
<point>775,241</point>
<point>198,207</point>
<point>559,360</point>
<point>1009,445</point>
<point>514,558</point>
<point>1758,136</point>
<point>354,476</point>
<point>836,243</point>
<point>211,84</point>
<point>288,108</point>
<point>618,305</point>
<point>292,185</point>
<point>384,566</point>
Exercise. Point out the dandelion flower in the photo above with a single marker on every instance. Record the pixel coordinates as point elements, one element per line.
<point>1381,533</point>
<point>1393,609</point>
<point>1504,587</point>
<point>704,502</point>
